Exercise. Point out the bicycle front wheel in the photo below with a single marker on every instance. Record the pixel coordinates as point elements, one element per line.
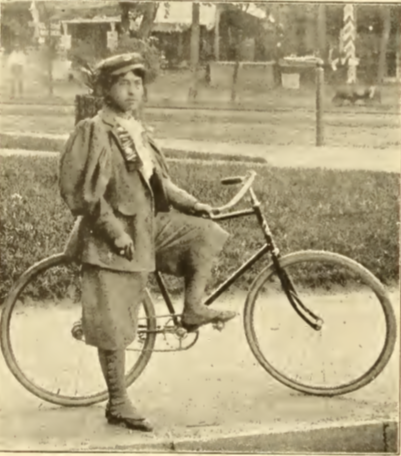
<point>37,342</point>
<point>358,332</point>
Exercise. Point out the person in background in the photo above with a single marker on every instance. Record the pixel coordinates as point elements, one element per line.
<point>132,219</point>
<point>16,65</point>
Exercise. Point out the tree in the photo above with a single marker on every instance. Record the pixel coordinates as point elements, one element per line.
<point>15,24</point>
<point>386,21</point>
<point>148,18</point>
<point>125,17</point>
<point>195,42</point>
<point>47,13</point>
<point>195,35</point>
<point>139,40</point>
<point>147,11</point>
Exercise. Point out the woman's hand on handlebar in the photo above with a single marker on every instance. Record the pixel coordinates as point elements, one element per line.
<point>205,210</point>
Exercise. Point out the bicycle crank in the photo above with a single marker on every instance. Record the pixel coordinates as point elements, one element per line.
<point>175,337</point>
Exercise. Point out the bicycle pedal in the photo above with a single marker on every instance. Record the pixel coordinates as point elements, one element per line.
<point>218,325</point>
<point>181,332</point>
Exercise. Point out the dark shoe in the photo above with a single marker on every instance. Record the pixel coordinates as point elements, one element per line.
<point>203,315</point>
<point>119,410</point>
<point>130,421</point>
<point>142,425</point>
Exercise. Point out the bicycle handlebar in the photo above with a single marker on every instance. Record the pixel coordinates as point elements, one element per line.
<point>244,189</point>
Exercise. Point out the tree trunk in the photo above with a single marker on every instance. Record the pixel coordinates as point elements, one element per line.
<point>50,75</point>
<point>125,23</point>
<point>195,43</point>
<point>180,49</point>
<point>86,106</point>
<point>49,59</point>
<point>217,34</point>
<point>195,35</point>
<point>386,21</point>
<point>148,19</point>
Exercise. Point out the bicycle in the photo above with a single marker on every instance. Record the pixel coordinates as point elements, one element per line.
<point>277,275</point>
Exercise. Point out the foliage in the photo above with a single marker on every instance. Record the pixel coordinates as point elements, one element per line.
<point>349,212</point>
<point>86,55</point>
<point>146,47</point>
<point>15,18</point>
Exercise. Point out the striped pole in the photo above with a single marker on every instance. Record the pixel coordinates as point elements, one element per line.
<point>347,42</point>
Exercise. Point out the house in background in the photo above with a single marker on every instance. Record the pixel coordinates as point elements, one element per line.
<point>227,33</point>
<point>224,31</point>
<point>172,28</point>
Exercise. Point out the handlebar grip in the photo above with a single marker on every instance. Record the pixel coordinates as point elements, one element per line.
<point>238,197</point>
<point>234,180</point>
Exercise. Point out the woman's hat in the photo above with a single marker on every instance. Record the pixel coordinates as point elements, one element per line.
<point>121,64</point>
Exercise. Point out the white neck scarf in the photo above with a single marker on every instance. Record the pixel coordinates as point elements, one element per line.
<point>138,135</point>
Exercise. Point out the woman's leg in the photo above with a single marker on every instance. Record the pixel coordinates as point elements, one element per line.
<point>111,301</point>
<point>119,410</point>
<point>187,246</point>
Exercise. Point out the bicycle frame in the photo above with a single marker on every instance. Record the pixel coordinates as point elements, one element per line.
<point>268,248</point>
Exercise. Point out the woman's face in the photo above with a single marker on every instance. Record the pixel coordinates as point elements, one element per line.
<point>127,93</point>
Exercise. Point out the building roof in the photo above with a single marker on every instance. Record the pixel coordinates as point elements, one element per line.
<point>94,20</point>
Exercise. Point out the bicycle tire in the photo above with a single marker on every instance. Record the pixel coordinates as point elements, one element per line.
<point>368,279</point>
<point>12,363</point>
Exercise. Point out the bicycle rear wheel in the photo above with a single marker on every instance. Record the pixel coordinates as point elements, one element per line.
<point>37,344</point>
<point>358,334</point>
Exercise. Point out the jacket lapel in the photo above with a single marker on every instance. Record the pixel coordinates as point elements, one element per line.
<point>111,124</point>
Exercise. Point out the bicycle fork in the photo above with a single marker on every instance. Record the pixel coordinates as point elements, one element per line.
<point>287,285</point>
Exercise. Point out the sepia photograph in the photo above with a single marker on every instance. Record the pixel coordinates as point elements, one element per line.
<point>199,227</point>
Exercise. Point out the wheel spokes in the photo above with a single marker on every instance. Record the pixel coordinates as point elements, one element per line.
<point>346,352</point>
<point>43,346</point>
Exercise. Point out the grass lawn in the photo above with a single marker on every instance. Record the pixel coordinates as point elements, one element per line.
<point>351,212</point>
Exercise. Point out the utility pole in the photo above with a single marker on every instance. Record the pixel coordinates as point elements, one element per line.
<point>322,31</point>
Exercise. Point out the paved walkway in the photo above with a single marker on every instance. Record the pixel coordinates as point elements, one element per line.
<point>213,397</point>
<point>369,159</point>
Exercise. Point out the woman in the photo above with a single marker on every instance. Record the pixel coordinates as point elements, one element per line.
<point>115,180</point>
